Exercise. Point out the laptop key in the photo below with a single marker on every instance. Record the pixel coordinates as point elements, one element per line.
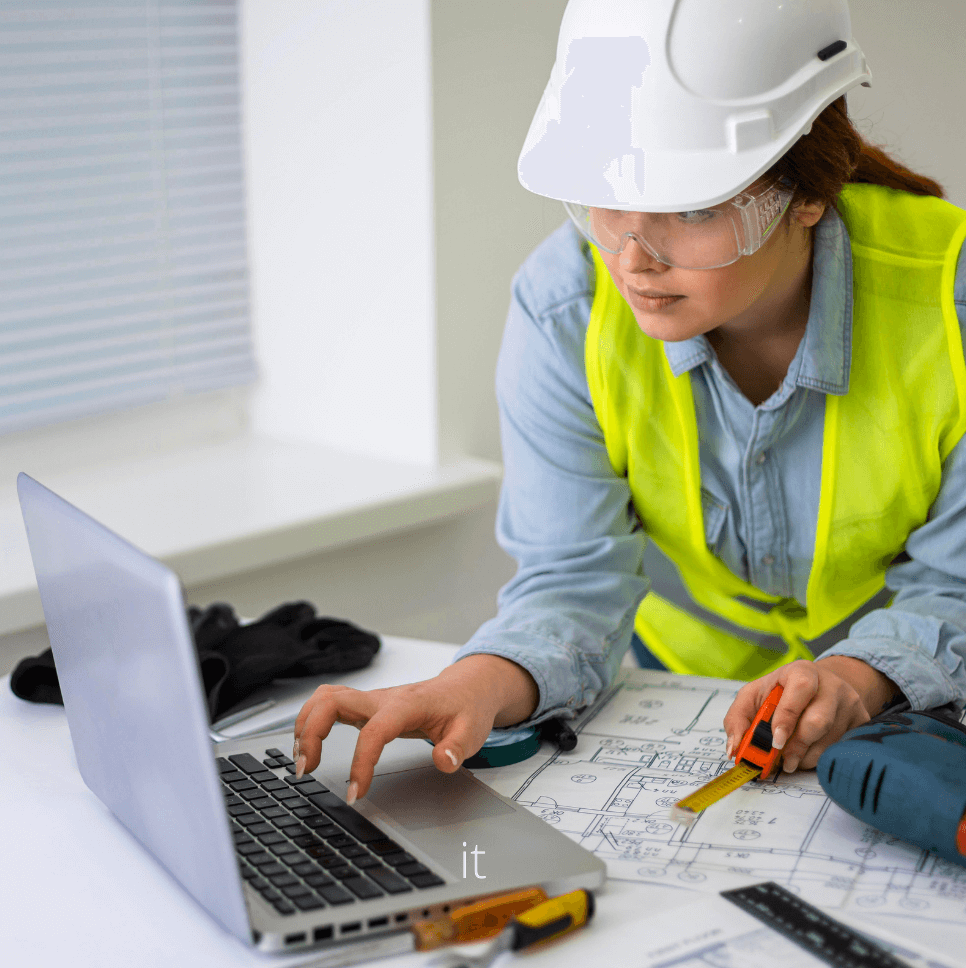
<point>318,880</point>
<point>286,822</point>
<point>263,803</point>
<point>283,880</point>
<point>243,784</point>
<point>282,847</point>
<point>307,902</point>
<point>426,880</point>
<point>323,826</point>
<point>307,811</point>
<point>232,777</point>
<point>307,840</point>
<point>362,888</point>
<point>271,838</point>
<point>397,857</point>
<point>259,884</point>
<point>223,765</point>
<point>262,775</point>
<point>247,819</point>
<point>294,890</point>
<point>247,763</point>
<point>232,800</point>
<point>407,870</point>
<point>235,810</point>
<point>340,841</point>
<point>349,820</point>
<point>353,850</point>
<point>305,867</point>
<point>342,872</point>
<point>304,781</point>
<point>250,848</point>
<point>274,785</point>
<point>271,870</point>
<point>383,846</point>
<point>367,861</point>
<point>312,787</point>
<point>274,751</point>
<point>284,907</point>
<point>253,794</point>
<point>259,858</point>
<point>318,852</point>
<point>334,894</point>
<point>274,812</point>
<point>388,880</point>
<point>261,828</point>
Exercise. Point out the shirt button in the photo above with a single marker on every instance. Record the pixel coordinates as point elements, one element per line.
<point>761,458</point>
<point>768,560</point>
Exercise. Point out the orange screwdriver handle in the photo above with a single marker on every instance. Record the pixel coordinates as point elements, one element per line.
<point>755,746</point>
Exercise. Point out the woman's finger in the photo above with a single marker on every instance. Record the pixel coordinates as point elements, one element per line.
<point>344,705</point>
<point>745,707</point>
<point>800,685</point>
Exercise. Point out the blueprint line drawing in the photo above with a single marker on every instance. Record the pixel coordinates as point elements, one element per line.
<point>656,736</point>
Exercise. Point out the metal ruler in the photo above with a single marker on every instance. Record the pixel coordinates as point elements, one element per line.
<point>812,929</point>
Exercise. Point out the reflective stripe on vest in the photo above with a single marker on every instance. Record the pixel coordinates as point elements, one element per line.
<point>884,441</point>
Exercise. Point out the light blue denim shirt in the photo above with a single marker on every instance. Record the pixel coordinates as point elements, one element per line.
<point>584,564</point>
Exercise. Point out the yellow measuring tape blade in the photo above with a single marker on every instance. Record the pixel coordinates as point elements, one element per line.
<point>684,811</point>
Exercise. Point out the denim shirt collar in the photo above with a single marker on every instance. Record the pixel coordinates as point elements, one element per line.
<point>824,355</point>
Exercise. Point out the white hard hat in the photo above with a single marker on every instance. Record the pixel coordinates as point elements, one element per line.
<point>672,105</point>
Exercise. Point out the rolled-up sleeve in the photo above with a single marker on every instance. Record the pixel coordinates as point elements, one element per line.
<point>564,515</point>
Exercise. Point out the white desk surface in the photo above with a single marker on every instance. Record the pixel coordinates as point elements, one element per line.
<point>77,890</point>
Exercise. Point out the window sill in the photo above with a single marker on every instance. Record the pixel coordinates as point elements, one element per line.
<point>213,511</point>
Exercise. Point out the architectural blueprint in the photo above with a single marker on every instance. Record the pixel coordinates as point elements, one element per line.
<point>654,738</point>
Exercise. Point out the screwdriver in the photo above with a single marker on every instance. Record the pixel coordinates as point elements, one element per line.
<point>544,922</point>
<point>475,922</point>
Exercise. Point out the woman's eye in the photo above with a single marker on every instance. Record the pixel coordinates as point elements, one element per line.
<point>696,217</point>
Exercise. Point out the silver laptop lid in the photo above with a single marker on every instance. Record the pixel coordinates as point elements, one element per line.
<point>133,695</point>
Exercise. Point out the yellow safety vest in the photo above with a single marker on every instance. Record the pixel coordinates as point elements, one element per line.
<point>883,449</point>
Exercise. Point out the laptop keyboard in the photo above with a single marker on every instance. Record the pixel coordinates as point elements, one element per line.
<point>301,847</point>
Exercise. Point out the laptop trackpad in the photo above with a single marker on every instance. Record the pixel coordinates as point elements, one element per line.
<point>430,799</point>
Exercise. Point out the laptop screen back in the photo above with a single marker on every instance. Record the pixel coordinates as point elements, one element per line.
<point>132,692</point>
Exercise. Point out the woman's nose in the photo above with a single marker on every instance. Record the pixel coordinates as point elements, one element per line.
<point>636,256</point>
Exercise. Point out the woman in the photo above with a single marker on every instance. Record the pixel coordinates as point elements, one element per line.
<point>746,346</point>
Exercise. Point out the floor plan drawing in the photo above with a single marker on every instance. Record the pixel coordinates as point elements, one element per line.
<point>656,737</point>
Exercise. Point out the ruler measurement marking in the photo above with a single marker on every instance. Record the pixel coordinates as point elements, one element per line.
<point>809,927</point>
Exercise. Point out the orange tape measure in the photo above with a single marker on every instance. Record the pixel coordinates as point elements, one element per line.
<point>754,758</point>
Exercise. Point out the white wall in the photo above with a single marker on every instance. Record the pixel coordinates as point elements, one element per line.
<point>915,107</point>
<point>338,146</point>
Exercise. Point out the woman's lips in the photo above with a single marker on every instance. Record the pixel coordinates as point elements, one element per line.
<point>652,302</point>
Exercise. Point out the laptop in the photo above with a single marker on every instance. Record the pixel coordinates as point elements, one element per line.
<point>282,864</point>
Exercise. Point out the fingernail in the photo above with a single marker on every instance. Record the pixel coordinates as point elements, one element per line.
<point>452,756</point>
<point>351,793</point>
<point>731,746</point>
<point>778,737</point>
<point>299,767</point>
<point>296,749</point>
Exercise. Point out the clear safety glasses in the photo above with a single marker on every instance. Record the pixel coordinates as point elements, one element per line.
<point>706,238</point>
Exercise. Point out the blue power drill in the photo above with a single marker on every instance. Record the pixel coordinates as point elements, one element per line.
<point>904,773</point>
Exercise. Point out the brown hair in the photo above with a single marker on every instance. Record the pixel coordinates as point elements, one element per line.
<point>834,154</point>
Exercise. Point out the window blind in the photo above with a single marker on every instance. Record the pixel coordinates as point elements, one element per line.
<point>123,266</point>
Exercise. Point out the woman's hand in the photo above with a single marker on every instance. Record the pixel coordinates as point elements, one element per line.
<point>456,710</point>
<point>821,701</point>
